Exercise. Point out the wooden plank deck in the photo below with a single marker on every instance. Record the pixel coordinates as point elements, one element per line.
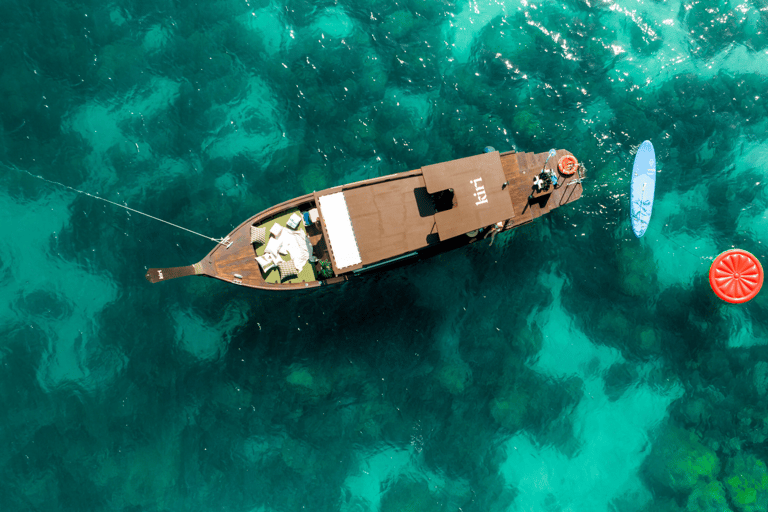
<point>520,170</point>
<point>240,258</point>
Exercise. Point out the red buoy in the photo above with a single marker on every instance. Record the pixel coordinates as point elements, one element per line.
<point>736,276</point>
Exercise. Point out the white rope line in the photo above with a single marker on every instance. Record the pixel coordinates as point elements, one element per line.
<point>222,241</point>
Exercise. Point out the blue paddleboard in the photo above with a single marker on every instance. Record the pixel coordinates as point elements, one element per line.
<point>643,184</point>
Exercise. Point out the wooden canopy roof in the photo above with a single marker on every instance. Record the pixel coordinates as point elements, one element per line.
<point>477,186</point>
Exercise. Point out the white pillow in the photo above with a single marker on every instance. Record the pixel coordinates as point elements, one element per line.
<point>276,229</point>
<point>265,262</point>
<point>273,246</point>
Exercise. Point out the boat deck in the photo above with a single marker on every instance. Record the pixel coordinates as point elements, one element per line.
<point>237,263</point>
<point>520,170</point>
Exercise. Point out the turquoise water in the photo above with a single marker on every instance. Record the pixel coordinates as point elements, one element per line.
<point>569,367</point>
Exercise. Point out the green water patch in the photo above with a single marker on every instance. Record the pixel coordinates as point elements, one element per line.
<point>247,127</point>
<point>157,38</point>
<point>679,462</point>
<point>110,129</point>
<point>608,434</point>
<point>715,26</point>
<point>203,340</point>
<point>747,482</point>
<point>365,487</point>
<point>61,298</point>
<point>402,104</point>
<point>591,448</point>
<point>464,28</point>
<point>269,29</point>
<point>333,23</point>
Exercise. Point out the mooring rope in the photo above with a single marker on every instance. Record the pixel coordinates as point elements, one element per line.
<point>223,241</point>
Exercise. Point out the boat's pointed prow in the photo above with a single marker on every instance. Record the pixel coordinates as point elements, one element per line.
<point>156,275</point>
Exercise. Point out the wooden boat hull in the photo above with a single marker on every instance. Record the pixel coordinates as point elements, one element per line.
<point>234,262</point>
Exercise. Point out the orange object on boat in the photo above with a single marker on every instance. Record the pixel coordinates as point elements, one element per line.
<point>567,165</point>
<point>736,276</point>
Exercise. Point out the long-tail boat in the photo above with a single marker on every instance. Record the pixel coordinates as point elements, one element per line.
<point>332,235</point>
